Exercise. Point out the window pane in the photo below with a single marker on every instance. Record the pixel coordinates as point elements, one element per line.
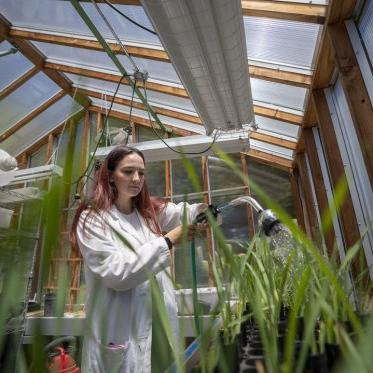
<point>155,178</point>
<point>25,99</point>
<point>221,176</point>
<point>145,134</point>
<point>235,223</point>
<point>274,182</point>
<point>12,66</point>
<point>181,182</point>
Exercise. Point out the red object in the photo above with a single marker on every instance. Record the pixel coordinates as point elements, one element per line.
<point>62,363</point>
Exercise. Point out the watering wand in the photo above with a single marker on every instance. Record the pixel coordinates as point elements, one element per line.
<point>199,219</point>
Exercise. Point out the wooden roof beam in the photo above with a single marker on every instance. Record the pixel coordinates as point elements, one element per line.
<point>274,140</point>
<point>81,42</point>
<point>157,87</point>
<point>280,76</point>
<point>38,59</point>
<point>189,118</point>
<point>29,117</point>
<point>301,12</point>
<point>270,9</point>
<point>175,91</point>
<point>265,73</point>
<point>139,105</point>
<point>273,160</point>
<point>138,120</point>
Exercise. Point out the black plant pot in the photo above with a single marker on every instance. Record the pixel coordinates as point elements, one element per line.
<point>333,353</point>
<point>229,357</point>
<point>316,364</point>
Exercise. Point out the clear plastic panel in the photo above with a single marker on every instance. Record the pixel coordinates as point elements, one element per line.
<point>142,113</point>
<point>163,71</point>
<point>25,99</point>
<point>284,42</point>
<point>269,148</point>
<point>155,98</point>
<point>12,66</point>
<point>60,16</point>
<point>282,95</point>
<point>40,126</point>
<point>277,126</point>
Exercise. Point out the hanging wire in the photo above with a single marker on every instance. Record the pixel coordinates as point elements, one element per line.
<point>92,157</point>
<point>128,18</point>
<point>115,35</point>
<point>216,135</point>
<point>55,152</point>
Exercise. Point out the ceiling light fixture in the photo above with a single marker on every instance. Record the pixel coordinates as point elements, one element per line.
<point>206,43</point>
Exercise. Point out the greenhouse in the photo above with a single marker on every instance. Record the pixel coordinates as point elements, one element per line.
<point>186,186</point>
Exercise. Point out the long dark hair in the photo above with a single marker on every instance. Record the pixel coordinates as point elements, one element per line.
<point>104,194</point>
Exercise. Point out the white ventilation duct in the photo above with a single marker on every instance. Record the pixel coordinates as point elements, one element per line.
<point>157,150</point>
<point>205,40</point>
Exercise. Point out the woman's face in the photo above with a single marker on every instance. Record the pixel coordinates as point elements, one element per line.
<point>128,176</point>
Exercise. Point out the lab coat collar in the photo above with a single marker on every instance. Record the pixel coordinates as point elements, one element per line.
<point>118,218</point>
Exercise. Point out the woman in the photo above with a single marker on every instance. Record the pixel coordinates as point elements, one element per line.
<point>119,233</point>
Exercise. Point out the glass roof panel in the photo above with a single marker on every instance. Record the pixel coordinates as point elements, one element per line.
<point>141,113</point>
<point>40,126</point>
<point>284,42</point>
<point>279,94</point>
<point>12,66</point>
<point>89,58</point>
<point>58,15</point>
<point>155,98</point>
<point>277,126</point>
<point>26,98</point>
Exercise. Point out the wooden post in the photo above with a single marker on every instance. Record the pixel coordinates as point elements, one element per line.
<point>307,188</point>
<point>357,96</point>
<point>210,246</point>
<point>249,209</point>
<point>336,168</point>
<point>297,199</point>
<point>99,123</point>
<point>319,184</point>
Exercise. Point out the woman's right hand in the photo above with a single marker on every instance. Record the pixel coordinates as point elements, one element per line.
<point>176,234</point>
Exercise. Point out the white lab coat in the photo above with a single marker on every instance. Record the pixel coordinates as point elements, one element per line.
<point>118,304</point>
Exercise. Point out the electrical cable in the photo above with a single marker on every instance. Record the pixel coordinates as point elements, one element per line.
<point>130,115</point>
<point>97,145</point>
<point>128,18</point>
<point>55,152</point>
<point>216,135</point>
<point>115,34</point>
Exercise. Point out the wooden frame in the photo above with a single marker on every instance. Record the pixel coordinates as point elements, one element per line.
<point>319,185</point>
<point>310,209</point>
<point>258,72</point>
<point>269,9</point>
<point>298,206</point>
<point>357,96</point>
<point>336,168</point>
<point>38,59</point>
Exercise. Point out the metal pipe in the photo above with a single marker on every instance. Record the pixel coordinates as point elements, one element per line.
<point>116,61</point>
<point>8,51</point>
<point>246,199</point>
